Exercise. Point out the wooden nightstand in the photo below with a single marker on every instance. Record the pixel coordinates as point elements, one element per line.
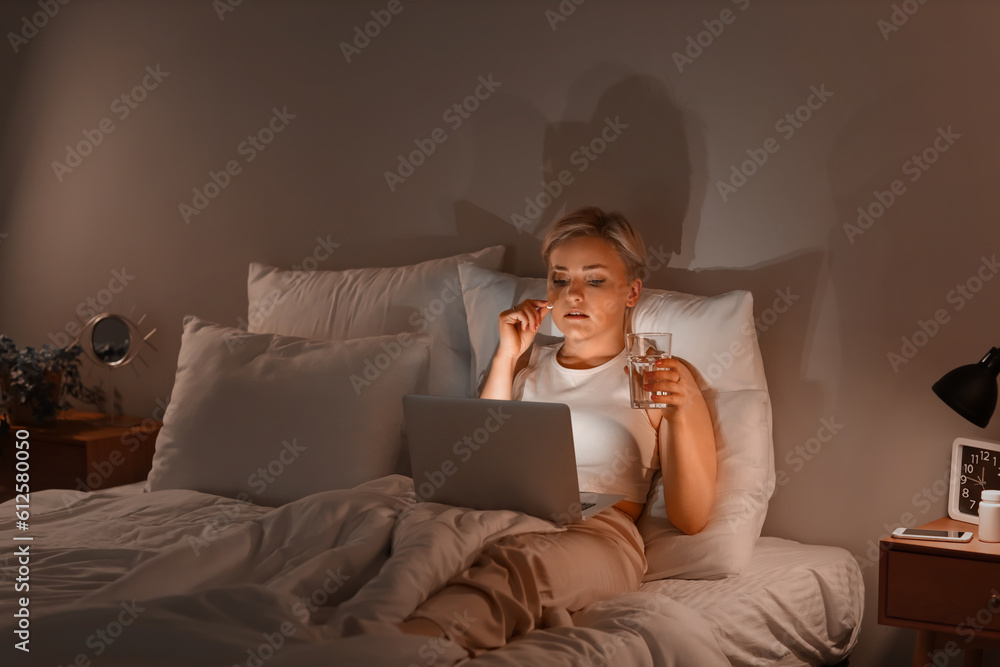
<point>77,453</point>
<point>948,591</point>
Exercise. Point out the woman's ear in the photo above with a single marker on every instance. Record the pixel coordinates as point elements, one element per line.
<point>635,289</point>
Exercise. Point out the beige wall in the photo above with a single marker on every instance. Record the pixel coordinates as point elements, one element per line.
<point>847,298</point>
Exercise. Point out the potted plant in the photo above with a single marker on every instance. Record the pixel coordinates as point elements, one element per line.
<point>34,383</point>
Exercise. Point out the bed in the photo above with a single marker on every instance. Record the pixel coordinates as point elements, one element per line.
<point>279,525</point>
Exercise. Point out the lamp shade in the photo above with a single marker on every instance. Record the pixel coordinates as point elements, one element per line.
<point>971,390</point>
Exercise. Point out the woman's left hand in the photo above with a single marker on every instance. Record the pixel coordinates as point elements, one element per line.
<point>677,386</point>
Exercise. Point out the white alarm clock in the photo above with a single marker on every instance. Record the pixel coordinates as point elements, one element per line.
<point>975,467</point>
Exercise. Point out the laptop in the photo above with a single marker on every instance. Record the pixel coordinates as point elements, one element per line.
<point>489,454</point>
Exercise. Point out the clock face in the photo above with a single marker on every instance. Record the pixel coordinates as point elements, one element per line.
<point>980,471</point>
<point>975,468</point>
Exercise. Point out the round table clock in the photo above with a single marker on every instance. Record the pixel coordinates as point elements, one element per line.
<point>975,467</point>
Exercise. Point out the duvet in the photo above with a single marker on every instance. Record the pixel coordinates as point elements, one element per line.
<point>122,577</point>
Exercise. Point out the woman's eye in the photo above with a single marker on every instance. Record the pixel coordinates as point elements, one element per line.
<point>566,282</point>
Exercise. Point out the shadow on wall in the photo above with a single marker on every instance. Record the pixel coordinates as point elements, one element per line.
<point>628,151</point>
<point>641,153</point>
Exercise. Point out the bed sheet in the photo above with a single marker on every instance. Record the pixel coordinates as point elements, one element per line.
<point>796,604</point>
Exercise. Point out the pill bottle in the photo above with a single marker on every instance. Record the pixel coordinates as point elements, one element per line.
<point>989,516</point>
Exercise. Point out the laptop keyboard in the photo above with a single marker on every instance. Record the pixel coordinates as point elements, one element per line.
<point>586,506</point>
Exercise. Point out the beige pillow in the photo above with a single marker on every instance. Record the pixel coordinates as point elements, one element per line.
<point>357,303</point>
<point>270,418</point>
<point>745,482</point>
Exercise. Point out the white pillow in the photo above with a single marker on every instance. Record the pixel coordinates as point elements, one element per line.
<point>717,336</point>
<point>271,418</point>
<point>357,303</point>
<point>745,481</point>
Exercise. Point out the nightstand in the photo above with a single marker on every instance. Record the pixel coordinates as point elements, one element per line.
<point>77,453</point>
<point>948,591</point>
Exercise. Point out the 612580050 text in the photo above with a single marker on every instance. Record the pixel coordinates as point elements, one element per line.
<point>22,514</point>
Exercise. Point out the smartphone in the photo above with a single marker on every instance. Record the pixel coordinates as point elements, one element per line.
<point>939,535</point>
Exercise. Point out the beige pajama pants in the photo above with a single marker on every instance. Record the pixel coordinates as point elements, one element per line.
<point>532,580</point>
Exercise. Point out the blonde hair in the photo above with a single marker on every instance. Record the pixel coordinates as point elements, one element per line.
<point>611,226</point>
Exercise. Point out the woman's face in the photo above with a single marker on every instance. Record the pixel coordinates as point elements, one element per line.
<point>587,276</point>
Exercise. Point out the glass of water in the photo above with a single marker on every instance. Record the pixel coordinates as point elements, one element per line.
<point>643,350</point>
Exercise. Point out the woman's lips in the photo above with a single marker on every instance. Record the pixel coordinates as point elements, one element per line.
<point>574,316</point>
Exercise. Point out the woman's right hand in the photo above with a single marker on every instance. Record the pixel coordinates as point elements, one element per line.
<point>518,327</point>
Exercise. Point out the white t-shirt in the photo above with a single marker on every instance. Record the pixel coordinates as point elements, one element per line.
<point>616,445</point>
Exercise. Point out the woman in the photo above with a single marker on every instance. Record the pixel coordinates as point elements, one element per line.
<point>594,260</point>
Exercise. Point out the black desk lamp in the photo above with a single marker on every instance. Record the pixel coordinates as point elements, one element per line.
<point>971,390</point>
